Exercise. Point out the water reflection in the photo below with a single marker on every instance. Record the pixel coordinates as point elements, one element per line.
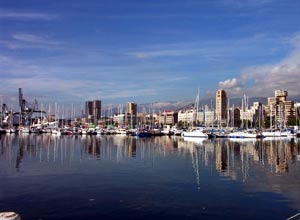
<point>228,156</point>
<point>268,165</point>
<point>232,158</point>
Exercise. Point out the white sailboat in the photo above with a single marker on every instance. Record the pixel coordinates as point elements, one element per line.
<point>198,131</point>
<point>271,132</point>
<point>24,130</point>
<point>56,131</point>
<point>242,134</point>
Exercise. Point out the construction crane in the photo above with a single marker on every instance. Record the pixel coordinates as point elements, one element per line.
<point>27,109</point>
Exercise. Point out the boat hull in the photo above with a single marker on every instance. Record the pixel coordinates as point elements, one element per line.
<point>242,135</point>
<point>195,134</point>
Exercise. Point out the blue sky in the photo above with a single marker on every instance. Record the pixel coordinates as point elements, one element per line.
<point>148,51</point>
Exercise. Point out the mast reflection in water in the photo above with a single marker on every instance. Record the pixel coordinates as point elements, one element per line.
<point>120,177</point>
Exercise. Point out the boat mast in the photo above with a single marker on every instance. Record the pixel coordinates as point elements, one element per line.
<point>196,106</point>
<point>296,115</point>
<point>271,116</point>
<point>232,123</point>
<point>242,124</point>
<point>246,110</point>
<point>228,116</point>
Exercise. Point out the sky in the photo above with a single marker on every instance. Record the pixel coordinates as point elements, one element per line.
<point>147,51</point>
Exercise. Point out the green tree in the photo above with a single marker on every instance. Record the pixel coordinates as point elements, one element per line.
<point>293,122</point>
<point>180,124</point>
<point>267,123</point>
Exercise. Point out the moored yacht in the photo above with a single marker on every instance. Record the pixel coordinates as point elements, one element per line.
<point>56,132</point>
<point>10,131</point>
<point>156,132</point>
<point>142,133</point>
<point>242,134</point>
<point>167,130</point>
<point>197,133</point>
<point>271,133</point>
<point>24,130</point>
<point>288,133</point>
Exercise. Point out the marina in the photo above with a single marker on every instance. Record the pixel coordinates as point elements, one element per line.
<point>33,119</point>
<point>46,176</point>
<point>139,109</point>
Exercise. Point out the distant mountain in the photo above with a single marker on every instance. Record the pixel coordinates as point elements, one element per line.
<point>161,106</point>
<point>178,105</point>
<point>188,104</point>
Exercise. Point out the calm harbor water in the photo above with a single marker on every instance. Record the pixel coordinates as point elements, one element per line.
<point>120,177</point>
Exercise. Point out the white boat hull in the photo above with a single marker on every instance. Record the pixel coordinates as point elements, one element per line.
<point>241,134</point>
<point>271,134</point>
<point>195,134</point>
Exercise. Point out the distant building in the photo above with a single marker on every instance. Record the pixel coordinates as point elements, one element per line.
<point>279,109</point>
<point>93,111</point>
<point>251,115</point>
<point>131,108</point>
<point>209,118</point>
<point>168,117</point>
<point>297,110</point>
<point>131,114</point>
<point>204,117</point>
<point>221,106</point>
<point>186,117</point>
<point>150,119</point>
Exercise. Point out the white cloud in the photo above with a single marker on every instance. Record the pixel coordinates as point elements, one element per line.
<point>25,40</point>
<point>26,15</point>
<point>235,86</point>
<point>228,84</point>
<point>30,38</point>
<point>264,79</point>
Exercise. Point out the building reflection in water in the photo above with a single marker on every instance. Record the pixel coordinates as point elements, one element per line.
<point>268,164</point>
<point>229,157</point>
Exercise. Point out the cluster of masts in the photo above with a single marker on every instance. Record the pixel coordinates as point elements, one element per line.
<point>196,132</point>
<point>51,124</point>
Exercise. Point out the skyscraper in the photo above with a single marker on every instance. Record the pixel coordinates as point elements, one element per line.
<point>131,108</point>
<point>279,109</point>
<point>131,113</point>
<point>221,106</point>
<point>93,111</point>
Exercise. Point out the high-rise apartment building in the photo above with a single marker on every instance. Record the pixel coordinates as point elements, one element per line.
<point>93,111</point>
<point>187,117</point>
<point>168,117</point>
<point>279,109</point>
<point>221,106</point>
<point>131,108</point>
<point>131,113</point>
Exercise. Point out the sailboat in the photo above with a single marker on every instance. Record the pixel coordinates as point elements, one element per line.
<point>198,131</point>
<point>10,129</point>
<point>272,132</point>
<point>56,131</point>
<point>244,132</point>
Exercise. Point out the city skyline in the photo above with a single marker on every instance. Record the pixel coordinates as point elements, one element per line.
<point>143,52</point>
